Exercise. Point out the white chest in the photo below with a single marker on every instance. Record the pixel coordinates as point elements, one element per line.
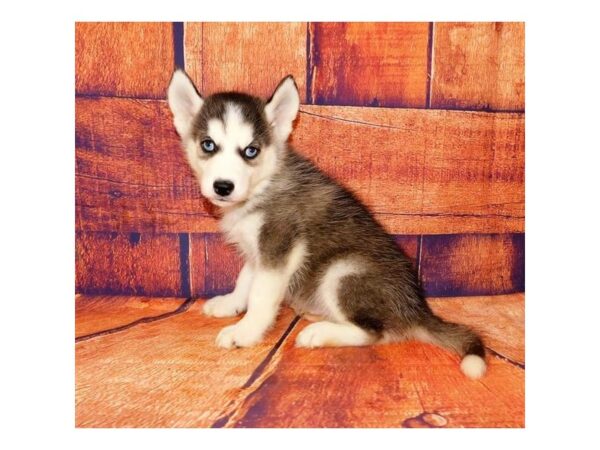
<point>243,230</point>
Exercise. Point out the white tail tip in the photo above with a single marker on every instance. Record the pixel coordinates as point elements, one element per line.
<point>473,366</point>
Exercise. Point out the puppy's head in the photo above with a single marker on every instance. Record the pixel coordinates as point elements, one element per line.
<point>232,139</point>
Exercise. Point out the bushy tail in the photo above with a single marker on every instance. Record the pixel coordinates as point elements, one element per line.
<point>460,339</point>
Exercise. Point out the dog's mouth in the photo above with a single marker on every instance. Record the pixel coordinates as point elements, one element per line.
<point>223,202</point>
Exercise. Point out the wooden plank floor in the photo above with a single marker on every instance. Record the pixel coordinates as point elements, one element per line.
<point>152,362</point>
<point>97,314</point>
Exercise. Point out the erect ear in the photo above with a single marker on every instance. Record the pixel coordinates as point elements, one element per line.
<point>184,101</point>
<point>282,108</point>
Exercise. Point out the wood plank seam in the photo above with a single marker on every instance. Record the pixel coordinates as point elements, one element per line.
<point>202,56</point>
<point>419,253</point>
<point>505,358</point>
<point>451,214</point>
<point>229,421</point>
<point>429,66</point>
<point>178,45</point>
<point>395,127</point>
<point>358,122</point>
<point>488,110</point>
<point>260,368</point>
<point>206,260</point>
<point>309,62</point>
<point>181,309</point>
<point>94,96</point>
<point>247,389</point>
<point>184,264</point>
<point>420,400</point>
<point>236,422</point>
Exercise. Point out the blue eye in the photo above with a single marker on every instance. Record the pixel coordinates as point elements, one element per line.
<point>208,146</point>
<point>251,152</point>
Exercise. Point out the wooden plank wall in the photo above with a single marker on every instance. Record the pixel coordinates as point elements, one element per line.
<point>425,121</point>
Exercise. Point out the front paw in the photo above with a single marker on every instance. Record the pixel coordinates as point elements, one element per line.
<point>223,306</point>
<point>238,336</point>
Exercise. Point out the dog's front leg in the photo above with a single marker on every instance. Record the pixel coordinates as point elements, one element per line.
<point>235,302</point>
<point>266,293</point>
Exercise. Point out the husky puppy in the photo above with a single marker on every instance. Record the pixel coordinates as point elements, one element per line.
<point>305,238</point>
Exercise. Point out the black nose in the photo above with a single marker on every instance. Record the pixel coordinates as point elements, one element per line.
<point>223,187</point>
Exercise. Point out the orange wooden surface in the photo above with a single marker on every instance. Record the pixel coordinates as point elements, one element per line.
<point>497,400</point>
<point>409,246</point>
<point>382,386</point>
<point>197,264</point>
<point>167,373</point>
<point>469,264</point>
<point>450,265</point>
<point>245,56</point>
<point>369,64</point>
<point>123,59</point>
<point>127,263</point>
<point>499,318</point>
<point>222,263</point>
<point>97,313</point>
<point>479,66</point>
<point>131,173</point>
<point>421,171</point>
<point>454,177</point>
<point>396,385</point>
<point>170,373</point>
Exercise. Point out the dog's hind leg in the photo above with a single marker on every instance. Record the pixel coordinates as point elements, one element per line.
<point>330,334</point>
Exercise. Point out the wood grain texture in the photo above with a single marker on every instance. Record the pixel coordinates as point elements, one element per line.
<point>420,171</point>
<point>197,259</point>
<point>127,263</point>
<point>222,262</point>
<point>246,56</point>
<point>479,66</point>
<point>456,265</point>
<point>123,59</point>
<point>499,318</point>
<point>369,64</point>
<point>495,401</point>
<point>130,171</point>
<point>133,263</point>
<point>167,373</point>
<point>99,313</point>
<point>400,385</point>
<point>409,246</point>
<point>397,384</point>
